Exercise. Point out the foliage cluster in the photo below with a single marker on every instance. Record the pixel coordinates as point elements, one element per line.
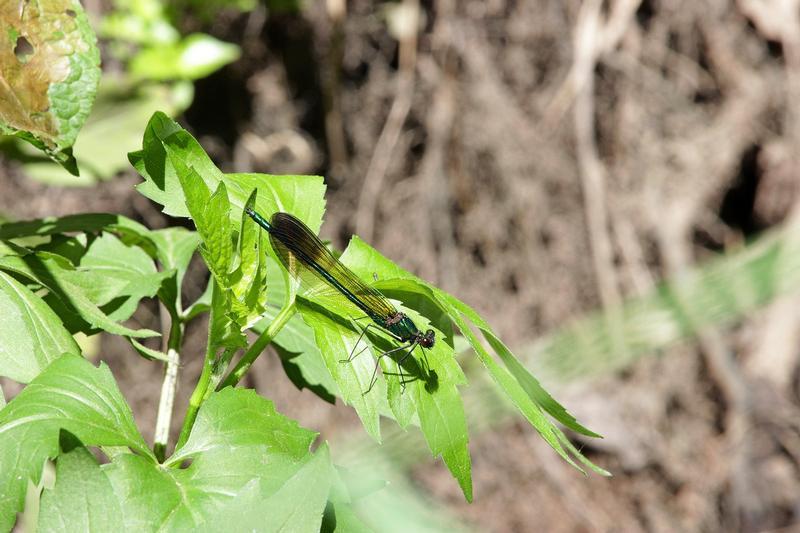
<point>88,273</point>
<point>236,460</point>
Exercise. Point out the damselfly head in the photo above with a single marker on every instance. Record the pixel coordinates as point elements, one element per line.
<point>427,340</point>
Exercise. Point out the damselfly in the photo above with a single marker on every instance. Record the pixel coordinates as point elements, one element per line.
<point>302,252</point>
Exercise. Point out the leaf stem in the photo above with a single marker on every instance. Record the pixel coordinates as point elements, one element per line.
<point>198,396</point>
<point>168,387</point>
<point>241,368</point>
<point>210,367</point>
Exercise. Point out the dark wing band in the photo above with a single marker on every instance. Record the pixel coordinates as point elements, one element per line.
<point>300,250</point>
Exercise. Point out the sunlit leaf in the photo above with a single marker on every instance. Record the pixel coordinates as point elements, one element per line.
<point>239,417</point>
<point>85,222</point>
<point>118,117</point>
<point>70,394</point>
<point>174,248</point>
<point>523,390</point>
<point>31,334</point>
<point>300,356</point>
<point>56,275</point>
<point>82,498</point>
<point>49,70</point>
<point>241,451</point>
<point>194,56</point>
<point>336,340</point>
<point>167,148</point>
<point>298,505</point>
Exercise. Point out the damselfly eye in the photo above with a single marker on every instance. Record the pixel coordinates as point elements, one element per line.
<point>428,339</point>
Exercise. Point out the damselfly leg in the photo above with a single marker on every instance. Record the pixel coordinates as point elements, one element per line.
<point>426,365</point>
<point>410,346</point>
<point>353,353</point>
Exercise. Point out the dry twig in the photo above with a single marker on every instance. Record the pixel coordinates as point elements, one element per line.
<point>334,125</point>
<point>384,148</point>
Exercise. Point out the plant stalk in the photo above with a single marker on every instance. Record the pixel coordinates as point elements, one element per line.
<point>258,346</point>
<point>168,387</point>
<point>198,396</point>
<point>204,385</point>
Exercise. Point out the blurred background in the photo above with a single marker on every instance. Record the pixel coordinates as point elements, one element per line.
<point>612,184</point>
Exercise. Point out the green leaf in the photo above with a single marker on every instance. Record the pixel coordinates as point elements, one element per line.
<point>108,272</point>
<point>511,387</point>
<point>210,215</point>
<point>86,222</point>
<point>431,393</point>
<point>248,249</point>
<point>164,145</point>
<point>217,247</point>
<point>402,505</point>
<point>242,288</point>
<point>31,334</point>
<point>195,56</point>
<point>49,271</point>
<point>534,389</point>
<point>300,357</point>
<point>343,518</point>
<point>154,498</point>
<point>248,280</point>
<point>336,340</point>
<point>179,175</point>
<point>223,330</point>
<point>70,394</point>
<point>174,248</point>
<point>120,114</point>
<point>10,249</point>
<point>518,384</point>
<point>149,353</point>
<point>441,412</point>
<point>239,417</point>
<point>82,498</point>
<point>297,506</point>
<point>444,424</point>
<point>49,70</point>
<point>280,292</point>
<point>242,451</point>
<point>527,399</point>
<point>142,22</point>
<point>167,149</point>
<point>111,270</point>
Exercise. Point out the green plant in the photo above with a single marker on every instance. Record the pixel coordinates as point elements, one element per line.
<point>88,273</point>
<point>49,69</point>
<point>142,35</point>
<point>50,62</point>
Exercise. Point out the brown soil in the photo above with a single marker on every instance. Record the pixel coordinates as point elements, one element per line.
<point>539,160</point>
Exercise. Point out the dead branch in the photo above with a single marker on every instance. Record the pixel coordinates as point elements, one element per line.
<point>384,148</point>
